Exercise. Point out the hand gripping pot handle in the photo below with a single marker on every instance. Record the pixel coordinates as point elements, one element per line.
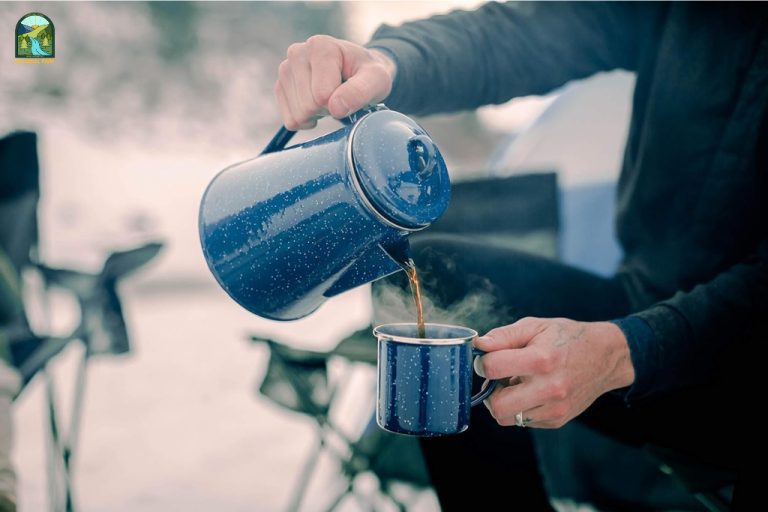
<point>284,135</point>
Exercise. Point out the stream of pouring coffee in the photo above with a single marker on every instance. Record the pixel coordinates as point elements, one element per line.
<point>413,279</point>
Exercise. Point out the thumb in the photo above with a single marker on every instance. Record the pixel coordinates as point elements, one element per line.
<point>370,84</point>
<point>516,335</point>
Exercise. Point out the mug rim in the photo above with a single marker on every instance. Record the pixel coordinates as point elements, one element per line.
<point>472,334</point>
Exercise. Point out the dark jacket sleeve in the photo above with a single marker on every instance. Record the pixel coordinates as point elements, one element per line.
<point>696,333</point>
<point>465,59</point>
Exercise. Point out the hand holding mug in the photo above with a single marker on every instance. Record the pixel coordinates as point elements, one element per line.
<point>551,369</point>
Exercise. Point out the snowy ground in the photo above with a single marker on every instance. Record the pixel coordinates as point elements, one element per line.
<point>178,426</point>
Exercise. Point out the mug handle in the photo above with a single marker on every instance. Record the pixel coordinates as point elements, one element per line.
<point>284,135</point>
<point>485,393</point>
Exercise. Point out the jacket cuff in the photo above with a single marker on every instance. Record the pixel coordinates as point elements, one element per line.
<point>406,56</point>
<point>643,350</point>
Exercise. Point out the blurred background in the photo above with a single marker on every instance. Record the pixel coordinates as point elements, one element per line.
<point>144,103</point>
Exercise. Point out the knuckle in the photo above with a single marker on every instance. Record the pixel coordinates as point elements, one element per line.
<point>308,107</point>
<point>284,70</point>
<point>319,41</point>
<point>321,93</point>
<point>543,362</point>
<point>528,321</point>
<point>294,50</point>
<point>496,334</point>
<point>558,390</point>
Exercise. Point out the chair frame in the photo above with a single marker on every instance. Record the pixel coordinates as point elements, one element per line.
<point>62,443</point>
<point>351,455</point>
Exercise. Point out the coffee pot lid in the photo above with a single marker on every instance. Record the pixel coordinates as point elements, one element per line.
<point>399,169</point>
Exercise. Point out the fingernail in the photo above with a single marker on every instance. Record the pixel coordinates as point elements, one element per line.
<point>478,364</point>
<point>487,404</point>
<point>342,106</point>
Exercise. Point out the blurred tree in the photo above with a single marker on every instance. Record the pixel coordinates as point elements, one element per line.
<point>140,69</point>
<point>168,72</point>
<point>176,24</point>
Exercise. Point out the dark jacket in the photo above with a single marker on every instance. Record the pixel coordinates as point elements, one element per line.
<point>692,194</point>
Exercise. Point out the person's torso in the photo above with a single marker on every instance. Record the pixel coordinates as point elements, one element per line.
<point>691,194</point>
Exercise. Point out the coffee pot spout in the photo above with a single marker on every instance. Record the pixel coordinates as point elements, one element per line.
<point>379,260</point>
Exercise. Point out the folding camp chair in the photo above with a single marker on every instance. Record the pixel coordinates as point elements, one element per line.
<point>102,328</point>
<point>102,331</point>
<point>298,380</point>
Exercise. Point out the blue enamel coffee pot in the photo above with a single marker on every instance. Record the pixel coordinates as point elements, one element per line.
<point>286,230</point>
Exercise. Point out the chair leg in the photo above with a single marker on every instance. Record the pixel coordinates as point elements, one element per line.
<point>57,474</point>
<point>77,412</point>
<point>343,494</point>
<point>61,450</point>
<point>306,476</point>
<point>712,501</point>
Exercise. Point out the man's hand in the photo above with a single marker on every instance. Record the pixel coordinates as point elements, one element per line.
<point>328,75</point>
<point>552,369</point>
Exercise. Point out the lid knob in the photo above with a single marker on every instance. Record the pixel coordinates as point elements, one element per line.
<point>422,155</point>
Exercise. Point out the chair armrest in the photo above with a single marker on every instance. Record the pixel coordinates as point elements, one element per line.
<point>80,284</point>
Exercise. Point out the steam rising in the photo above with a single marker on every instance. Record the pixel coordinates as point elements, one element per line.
<point>476,310</point>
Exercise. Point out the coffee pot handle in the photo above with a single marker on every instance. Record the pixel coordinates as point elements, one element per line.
<point>284,135</point>
<point>278,142</point>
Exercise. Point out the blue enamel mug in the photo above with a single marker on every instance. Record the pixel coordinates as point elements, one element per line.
<point>425,384</point>
<point>294,226</point>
